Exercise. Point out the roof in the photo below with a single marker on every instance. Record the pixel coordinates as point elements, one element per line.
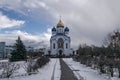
<point>60,24</point>
<point>66,29</point>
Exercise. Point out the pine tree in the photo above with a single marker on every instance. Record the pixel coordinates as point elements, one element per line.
<point>19,52</point>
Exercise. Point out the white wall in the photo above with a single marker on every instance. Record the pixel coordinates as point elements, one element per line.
<point>55,39</point>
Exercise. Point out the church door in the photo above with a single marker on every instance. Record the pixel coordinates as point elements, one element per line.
<point>60,52</point>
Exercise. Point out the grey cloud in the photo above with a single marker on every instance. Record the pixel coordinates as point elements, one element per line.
<point>89,20</point>
<point>36,41</point>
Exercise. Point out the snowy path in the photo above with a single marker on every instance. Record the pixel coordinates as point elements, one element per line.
<point>53,70</point>
<point>50,71</point>
<point>66,72</point>
<point>86,72</point>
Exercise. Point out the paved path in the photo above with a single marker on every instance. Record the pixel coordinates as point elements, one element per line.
<point>66,72</point>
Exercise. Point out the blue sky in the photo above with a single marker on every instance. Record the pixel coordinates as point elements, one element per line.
<point>31,25</point>
<point>89,20</point>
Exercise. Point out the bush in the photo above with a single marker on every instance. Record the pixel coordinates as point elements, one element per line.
<point>32,65</point>
<point>8,69</point>
<point>42,61</point>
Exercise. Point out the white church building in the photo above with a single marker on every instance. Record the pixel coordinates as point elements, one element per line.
<point>60,41</point>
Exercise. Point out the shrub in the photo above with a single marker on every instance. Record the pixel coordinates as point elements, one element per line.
<point>8,69</point>
<point>42,61</point>
<point>32,65</point>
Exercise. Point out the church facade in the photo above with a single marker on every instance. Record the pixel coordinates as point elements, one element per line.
<point>60,41</point>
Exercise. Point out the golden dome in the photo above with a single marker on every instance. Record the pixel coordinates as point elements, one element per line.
<point>60,24</point>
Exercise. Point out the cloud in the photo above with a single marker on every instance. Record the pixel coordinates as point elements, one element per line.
<point>29,39</point>
<point>89,20</point>
<point>6,22</point>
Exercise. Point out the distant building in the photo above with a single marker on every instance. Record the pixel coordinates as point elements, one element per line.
<point>42,50</point>
<point>8,51</point>
<point>29,48</point>
<point>2,50</point>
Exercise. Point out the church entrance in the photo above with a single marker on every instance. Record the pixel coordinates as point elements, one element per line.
<point>60,44</point>
<point>60,53</point>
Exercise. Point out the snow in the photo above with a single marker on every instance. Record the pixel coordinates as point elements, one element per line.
<point>50,71</point>
<point>4,60</point>
<point>86,72</point>
<point>57,73</point>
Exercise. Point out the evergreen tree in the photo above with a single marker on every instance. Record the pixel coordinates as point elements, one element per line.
<point>19,52</point>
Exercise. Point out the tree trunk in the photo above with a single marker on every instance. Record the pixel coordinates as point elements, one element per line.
<point>111,70</point>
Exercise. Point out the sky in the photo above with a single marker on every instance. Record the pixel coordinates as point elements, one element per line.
<point>89,21</point>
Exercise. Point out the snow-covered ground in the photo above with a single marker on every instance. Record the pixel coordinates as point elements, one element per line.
<point>4,60</point>
<point>86,72</point>
<point>50,71</point>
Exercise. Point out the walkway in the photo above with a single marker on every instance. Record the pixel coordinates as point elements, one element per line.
<point>66,72</point>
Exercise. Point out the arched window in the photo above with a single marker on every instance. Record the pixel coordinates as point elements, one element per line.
<point>53,45</point>
<point>66,45</point>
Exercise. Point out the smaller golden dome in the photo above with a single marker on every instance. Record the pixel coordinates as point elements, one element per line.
<point>60,24</point>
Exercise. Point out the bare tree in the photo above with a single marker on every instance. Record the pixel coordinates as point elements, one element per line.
<point>8,69</point>
<point>31,66</point>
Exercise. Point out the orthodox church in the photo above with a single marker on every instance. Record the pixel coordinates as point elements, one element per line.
<point>60,40</point>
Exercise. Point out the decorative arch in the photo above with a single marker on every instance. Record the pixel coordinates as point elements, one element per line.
<point>60,43</point>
